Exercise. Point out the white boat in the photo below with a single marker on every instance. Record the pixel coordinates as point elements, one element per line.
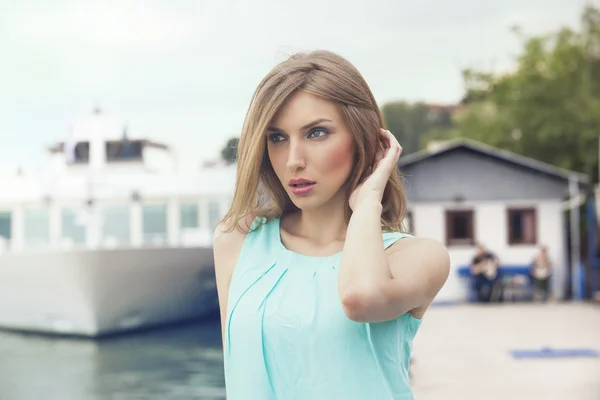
<point>99,243</point>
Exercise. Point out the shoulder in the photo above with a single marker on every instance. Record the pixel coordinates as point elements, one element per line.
<point>419,243</point>
<point>391,237</point>
<point>225,239</point>
<point>424,252</point>
<point>227,243</point>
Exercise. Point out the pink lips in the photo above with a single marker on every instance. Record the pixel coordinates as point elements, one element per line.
<point>301,186</point>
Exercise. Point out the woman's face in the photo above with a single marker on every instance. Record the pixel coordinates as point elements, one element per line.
<point>311,150</point>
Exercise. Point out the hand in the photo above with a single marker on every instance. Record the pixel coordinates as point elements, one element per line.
<point>386,158</point>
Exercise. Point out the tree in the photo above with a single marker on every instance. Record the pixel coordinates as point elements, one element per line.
<point>549,107</point>
<point>409,122</point>
<point>229,151</point>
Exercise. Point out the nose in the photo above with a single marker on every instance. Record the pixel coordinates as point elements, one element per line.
<point>296,157</point>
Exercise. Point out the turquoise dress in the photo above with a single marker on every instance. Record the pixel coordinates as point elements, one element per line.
<point>287,337</point>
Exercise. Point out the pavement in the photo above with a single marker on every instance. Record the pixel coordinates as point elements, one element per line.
<point>462,352</point>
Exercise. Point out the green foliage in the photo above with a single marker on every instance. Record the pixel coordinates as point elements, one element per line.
<point>229,151</point>
<point>410,122</point>
<point>547,108</point>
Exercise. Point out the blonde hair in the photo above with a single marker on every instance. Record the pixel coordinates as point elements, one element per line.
<point>258,191</point>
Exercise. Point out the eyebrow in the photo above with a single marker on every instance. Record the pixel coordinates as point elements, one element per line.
<point>310,124</point>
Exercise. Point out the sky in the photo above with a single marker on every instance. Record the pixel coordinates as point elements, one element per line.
<point>183,72</point>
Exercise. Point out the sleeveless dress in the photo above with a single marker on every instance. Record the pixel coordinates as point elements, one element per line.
<point>287,337</point>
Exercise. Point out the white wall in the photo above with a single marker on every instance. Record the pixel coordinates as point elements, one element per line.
<point>490,220</point>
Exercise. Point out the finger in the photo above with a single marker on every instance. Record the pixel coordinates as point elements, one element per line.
<point>394,140</point>
<point>387,146</point>
<point>392,153</point>
<point>393,143</point>
<point>385,140</point>
<point>390,139</point>
<point>386,157</point>
<point>383,150</point>
<point>383,145</point>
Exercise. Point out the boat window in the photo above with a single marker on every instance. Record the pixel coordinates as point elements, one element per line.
<point>78,153</point>
<point>214,214</point>
<point>188,216</point>
<point>5,230</point>
<point>73,230</point>
<point>116,226</point>
<point>37,228</point>
<point>123,150</point>
<point>154,223</point>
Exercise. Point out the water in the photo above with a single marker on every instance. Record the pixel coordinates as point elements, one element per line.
<point>181,362</point>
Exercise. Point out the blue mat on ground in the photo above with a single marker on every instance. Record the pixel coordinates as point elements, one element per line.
<point>444,303</point>
<point>547,352</point>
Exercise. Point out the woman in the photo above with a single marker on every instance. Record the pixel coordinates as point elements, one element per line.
<point>541,272</point>
<point>319,298</point>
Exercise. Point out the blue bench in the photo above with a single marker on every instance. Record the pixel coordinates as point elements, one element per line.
<point>464,271</point>
<point>505,271</point>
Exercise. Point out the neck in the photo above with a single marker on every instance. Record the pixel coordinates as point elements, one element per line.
<point>323,225</point>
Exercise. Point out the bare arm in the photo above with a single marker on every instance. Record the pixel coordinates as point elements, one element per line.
<point>378,285</point>
<point>226,248</point>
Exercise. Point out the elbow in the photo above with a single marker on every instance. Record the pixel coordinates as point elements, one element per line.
<point>357,305</point>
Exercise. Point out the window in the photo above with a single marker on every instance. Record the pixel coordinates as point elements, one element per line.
<point>188,216</point>
<point>116,229</point>
<point>459,227</point>
<point>521,226</point>
<point>73,228</point>
<point>123,150</point>
<point>214,215</point>
<point>37,228</point>
<point>77,152</point>
<point>154,223</point>
<point>5,230</point>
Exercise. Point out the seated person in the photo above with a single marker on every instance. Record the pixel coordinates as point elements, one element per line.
<point>484,268</point>
<point>541,272</point>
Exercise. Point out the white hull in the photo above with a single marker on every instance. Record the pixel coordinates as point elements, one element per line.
<point>99,292</point>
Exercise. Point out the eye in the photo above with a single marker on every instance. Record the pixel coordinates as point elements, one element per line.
<point>318,133</point>
<point>275,137</point>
